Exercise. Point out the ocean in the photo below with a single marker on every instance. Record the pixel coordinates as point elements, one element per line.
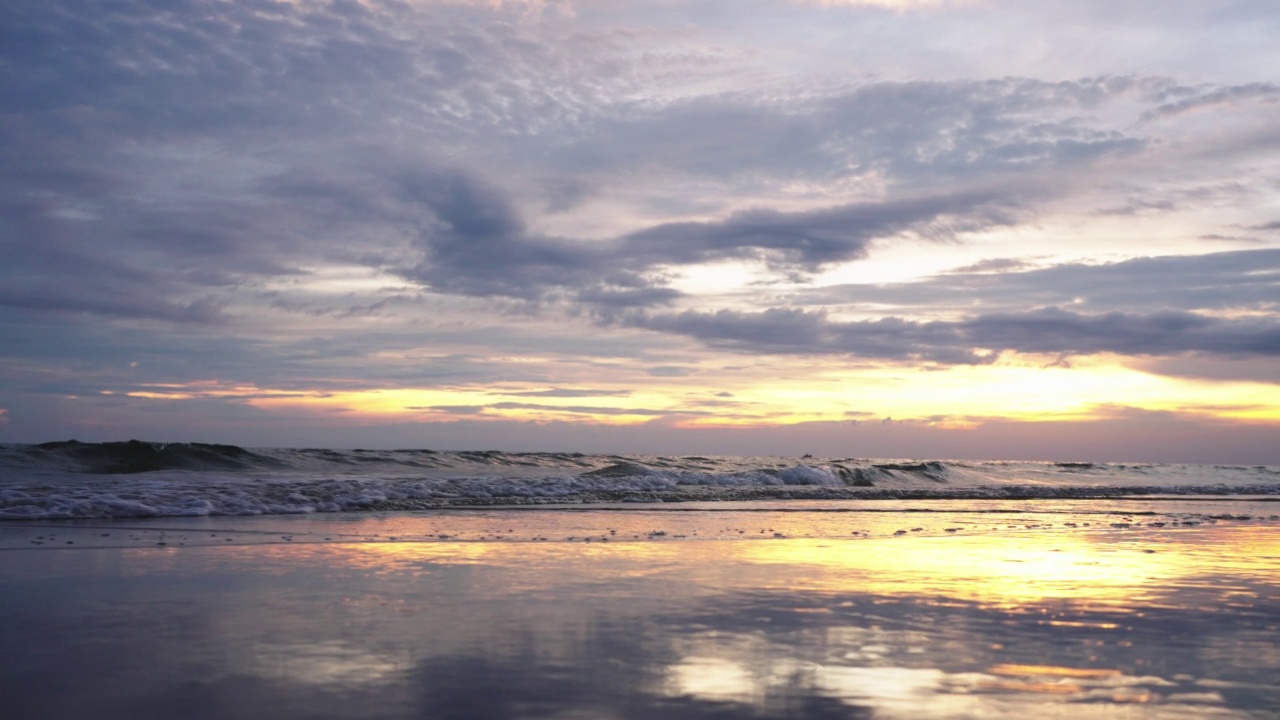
<point>212,581</point>
<point>141,479</point>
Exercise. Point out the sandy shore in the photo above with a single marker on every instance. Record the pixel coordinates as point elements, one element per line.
<point>759,612</point>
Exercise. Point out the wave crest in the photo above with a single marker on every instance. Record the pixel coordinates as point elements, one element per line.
<point>136,456</point>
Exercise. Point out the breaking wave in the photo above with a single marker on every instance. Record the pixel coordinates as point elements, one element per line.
<point>135,456</point>
<point>140,479</point>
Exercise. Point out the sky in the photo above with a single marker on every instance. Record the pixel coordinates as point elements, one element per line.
<point>1003,229</point>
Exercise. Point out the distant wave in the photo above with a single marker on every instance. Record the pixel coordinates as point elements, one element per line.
<point>135,456</point>
<point>143,479</point>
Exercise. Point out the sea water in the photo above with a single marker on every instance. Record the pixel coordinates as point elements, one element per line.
<point>215,582</point>
<point>137,479</point>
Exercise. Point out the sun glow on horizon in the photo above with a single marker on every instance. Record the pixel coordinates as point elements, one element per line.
<point>779,393</point>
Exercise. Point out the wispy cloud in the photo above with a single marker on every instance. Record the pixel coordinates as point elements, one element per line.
<point>565,393</point>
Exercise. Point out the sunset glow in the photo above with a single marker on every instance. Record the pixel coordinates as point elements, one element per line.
<point>957,398</point>
<point>481,223</point>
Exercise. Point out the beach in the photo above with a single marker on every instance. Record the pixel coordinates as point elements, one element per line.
<point>593,360</point>
<point>1166,608</point>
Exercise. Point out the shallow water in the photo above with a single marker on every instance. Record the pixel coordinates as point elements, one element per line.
<point>1010,615</point>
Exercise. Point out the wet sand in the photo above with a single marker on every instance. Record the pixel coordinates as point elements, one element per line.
<point>928,610</point>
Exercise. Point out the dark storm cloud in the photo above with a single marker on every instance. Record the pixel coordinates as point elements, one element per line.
<point>974,340</point>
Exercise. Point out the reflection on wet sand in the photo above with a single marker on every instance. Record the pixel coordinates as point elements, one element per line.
<point>1099,569</point>
<point>1152,623</point>
<point>1094,569</point>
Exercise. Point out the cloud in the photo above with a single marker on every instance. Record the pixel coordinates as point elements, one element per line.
<point>1259,369</point>
<point>974,340</point>
<point>477,244</point>
<point>994,265</point>
<point>474,242</point>
<point>596,410</point>
<point>130,303</point>
<point>812,239</point>
<point>802,332</point>
<point>669,371</point>
<point>906,134</point>
<point>566,393</point>
<point>381,194</point>
<point>1164,333</point>
<point>178,156</point>
<point>450,409</point>
<point>589,409</point>
<point>1222,281</point>
<point>1214,97</point>
<point>477,241</point>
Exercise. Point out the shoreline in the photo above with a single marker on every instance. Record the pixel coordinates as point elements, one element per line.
<point>666,522</point>
<point>759,614</point>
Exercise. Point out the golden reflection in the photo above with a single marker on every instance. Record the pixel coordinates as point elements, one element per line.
<point>1053,670</point>
<point>886,686</point>
<point>1077,624</point>
<point>1002,570</point>
<point>326,663</point>
<point>1014,571</point>
<point>1113,570</point>
<point>1089,683</point>
<point>712,678</point>
<point>1051,688</point>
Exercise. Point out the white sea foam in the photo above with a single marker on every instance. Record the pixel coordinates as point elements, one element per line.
<point>75,480</point>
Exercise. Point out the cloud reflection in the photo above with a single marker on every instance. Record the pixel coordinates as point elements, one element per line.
<point>900,628</point>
